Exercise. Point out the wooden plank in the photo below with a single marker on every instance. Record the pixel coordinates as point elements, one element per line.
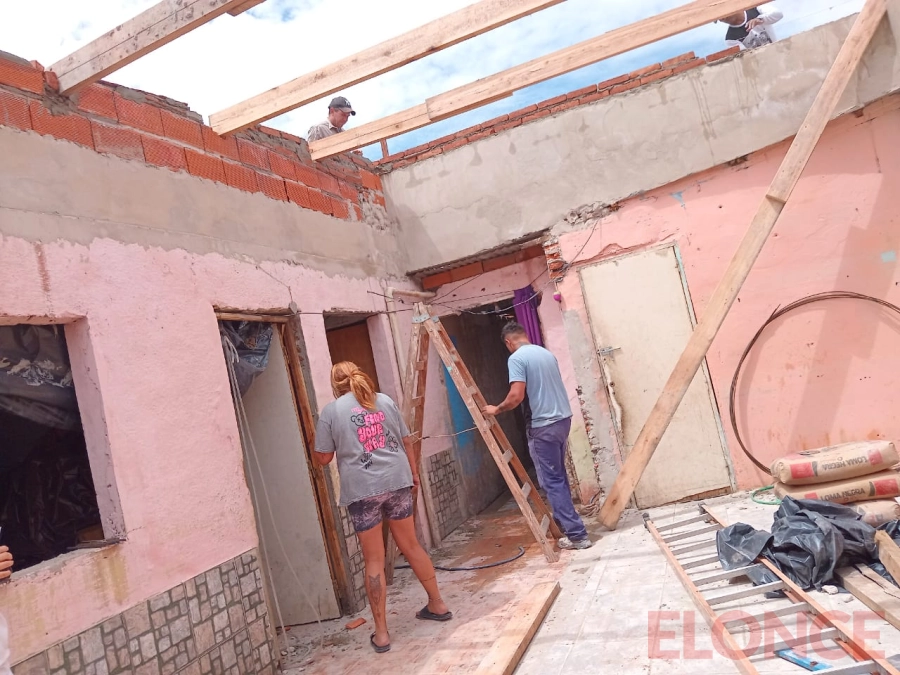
<point>505,83</point>
<point>528,614</point>
<point>140,35</point>
<point>248,4</point>
<point>264,318</point>
<point>872,594</point>
<point>399,51</point>
<point>888,553</point>
<point>739,268</point>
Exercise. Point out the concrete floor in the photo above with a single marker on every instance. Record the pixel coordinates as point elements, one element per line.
<point>599,623</point>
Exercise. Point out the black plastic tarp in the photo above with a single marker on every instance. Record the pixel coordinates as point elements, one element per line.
<point>251,339</point>
<point>809,540</point>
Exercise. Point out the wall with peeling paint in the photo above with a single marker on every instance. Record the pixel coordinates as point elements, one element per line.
<point>528,179</point>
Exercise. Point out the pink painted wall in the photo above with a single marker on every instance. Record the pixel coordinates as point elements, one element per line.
<point>827,373</point>
<point>156,401</point>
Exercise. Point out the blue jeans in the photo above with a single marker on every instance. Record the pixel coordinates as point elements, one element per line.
<point>547,446</point>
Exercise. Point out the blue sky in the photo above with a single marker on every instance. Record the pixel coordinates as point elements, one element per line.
<point>233,58</point>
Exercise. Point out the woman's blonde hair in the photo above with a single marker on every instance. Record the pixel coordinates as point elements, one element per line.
<point>347,376</point>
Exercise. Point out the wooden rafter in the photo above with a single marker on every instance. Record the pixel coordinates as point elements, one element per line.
<point>445,32</point>
<point>138,36</point>
<point>505,83</point>
<point>748,251</point>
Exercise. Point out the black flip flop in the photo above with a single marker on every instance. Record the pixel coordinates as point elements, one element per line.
<point>424,613</point>
<point>382,649</point>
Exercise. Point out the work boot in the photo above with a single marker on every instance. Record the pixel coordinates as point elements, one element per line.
<point>568,545</point>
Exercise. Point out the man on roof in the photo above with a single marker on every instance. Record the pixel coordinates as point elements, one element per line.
<point>752,28</point>
<point>339,111</point>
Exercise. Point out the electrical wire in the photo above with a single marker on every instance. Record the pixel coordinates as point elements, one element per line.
<point>473,568</point>
<point>778,313</point>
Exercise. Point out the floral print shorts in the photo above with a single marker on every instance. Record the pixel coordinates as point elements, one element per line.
<point>369,512</point>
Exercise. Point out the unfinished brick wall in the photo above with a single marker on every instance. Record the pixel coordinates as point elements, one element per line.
<point>158,131</point>
<point>557,104</point>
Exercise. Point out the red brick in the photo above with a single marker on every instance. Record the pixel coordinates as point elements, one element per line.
<point>290,137</point>
<point>51,81</point>
<point>163,153</point>
<point>68,127</point>
<point>566,106</point>
<point>417,149</point>
<point>497,263</point>
<point>535,116</point>
<point>204,166</point>
<point>97,99</point>
<point>578,93</point>
<point>431,153</point>
<point>253,154</point>
<point>725,53</point>
<point>299,194</point>
<point>509,125</point>
<point>221,145</point>
<point>661,75</point>
<point>628,86</point>
<point>282,166</point>
<point>139,115</point>
<point>340,209</point>
<point>436,281</point>
<point>688,66</point>
<point>403,162</point>
<point>22,77</point>
<point>272,186</point>
<point>609,84</point>
<point>349,192</point>
<point>480,135</point>
<point>678,60</point>
<point>269,131</point>
<point>532,252</point>
<point>319,202</point>
<point>371,181</point>
<point>379,199</point>
<point>466,271</point>
<point>307,176</point>
<point>516,114</point>
<point>119,141</point>
<point>241,177</point>
<point>458,143</point>
<point>182,129</point>
<point>550,102</point>
<point>644,71</point>
<point>468,131</point>
<point>590,98</point>
<point>14,111</point>
<point>442,140</point>
<point>329,183</point>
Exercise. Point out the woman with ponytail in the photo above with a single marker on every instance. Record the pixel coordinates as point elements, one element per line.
<point>378,475</point>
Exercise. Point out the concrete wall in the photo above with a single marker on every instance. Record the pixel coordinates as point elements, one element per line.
<point>134,259</point>
<point>526,180</point>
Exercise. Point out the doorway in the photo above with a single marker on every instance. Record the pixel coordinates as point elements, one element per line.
<point>641,319</point>
<point>300,580</point>
<point>349,340</point>
<point>476,336</point>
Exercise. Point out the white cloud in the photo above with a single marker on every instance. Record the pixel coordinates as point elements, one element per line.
<point>233,58</point>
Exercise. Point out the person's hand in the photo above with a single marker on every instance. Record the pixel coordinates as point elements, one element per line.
<point>6,563</point>
<point>415,482</point>
<point>753,23</point>
<point>491,410</point>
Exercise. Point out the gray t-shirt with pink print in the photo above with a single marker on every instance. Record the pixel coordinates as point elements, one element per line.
<point>368,445</point>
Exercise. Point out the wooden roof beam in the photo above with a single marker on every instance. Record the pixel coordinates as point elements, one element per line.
<point>447,31</point>
<point>140,35</point>
<point>505,83</point>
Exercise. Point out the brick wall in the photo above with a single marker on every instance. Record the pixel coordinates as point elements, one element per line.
<point>445,486</point>
<point>160,132</point>
<point>214,623</point>
<point>557,104</point>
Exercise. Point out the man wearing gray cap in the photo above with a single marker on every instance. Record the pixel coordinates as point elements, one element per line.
<point>339,111</point>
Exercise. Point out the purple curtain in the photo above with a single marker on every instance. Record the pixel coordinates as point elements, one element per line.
<point>526,302</point>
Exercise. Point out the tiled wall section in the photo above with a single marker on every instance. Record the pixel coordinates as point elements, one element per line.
<point>357,565</point>
<point>445,487</point>
<point>213,624</point>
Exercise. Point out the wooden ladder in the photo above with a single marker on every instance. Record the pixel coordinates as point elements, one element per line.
<point>429,329</point>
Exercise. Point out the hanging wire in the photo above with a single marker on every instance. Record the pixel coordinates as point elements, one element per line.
<point>231,358</point>
<point>779,312</point>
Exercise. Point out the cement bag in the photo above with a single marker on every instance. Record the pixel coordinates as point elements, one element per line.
<point>836,462</point>
<point>878,511</point>
<point>877,486</point>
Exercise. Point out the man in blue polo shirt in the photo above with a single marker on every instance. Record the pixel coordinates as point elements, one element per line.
<point>534,371</point>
